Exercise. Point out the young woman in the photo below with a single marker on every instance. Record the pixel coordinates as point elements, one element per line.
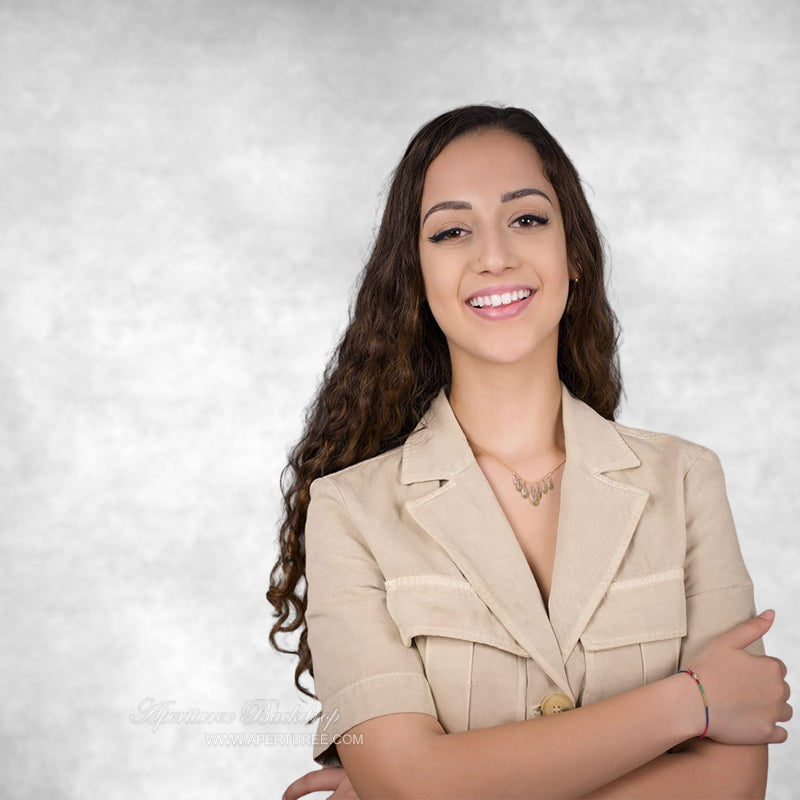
<point>483,547</point>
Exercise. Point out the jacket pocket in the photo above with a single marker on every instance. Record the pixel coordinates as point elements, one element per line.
<point>635,634</point>
<point>475,668</point>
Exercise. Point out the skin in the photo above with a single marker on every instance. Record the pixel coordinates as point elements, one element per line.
<point>505,374</point>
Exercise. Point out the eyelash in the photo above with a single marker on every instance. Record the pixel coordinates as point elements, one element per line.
<point>539,219</point>
<point>438,237</point>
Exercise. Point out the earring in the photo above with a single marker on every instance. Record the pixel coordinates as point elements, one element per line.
<point>570,300</point>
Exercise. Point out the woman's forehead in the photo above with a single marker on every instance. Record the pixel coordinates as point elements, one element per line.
<point>493,162</point>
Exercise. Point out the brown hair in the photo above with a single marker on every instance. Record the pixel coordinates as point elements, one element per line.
<point>393,359</point>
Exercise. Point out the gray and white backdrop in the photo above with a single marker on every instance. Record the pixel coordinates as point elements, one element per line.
<point>188,192</point>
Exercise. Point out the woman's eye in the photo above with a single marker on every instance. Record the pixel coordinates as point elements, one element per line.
<point>450,233</point>
<point>530,221</point>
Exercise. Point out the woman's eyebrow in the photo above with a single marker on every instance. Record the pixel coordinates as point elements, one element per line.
<point>456,205</point>
<point>462,205</point>
<point>517,193</point>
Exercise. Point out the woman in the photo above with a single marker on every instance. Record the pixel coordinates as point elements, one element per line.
<point>483,546</point>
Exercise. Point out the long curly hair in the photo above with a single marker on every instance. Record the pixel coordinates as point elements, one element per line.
<point>393,359</point>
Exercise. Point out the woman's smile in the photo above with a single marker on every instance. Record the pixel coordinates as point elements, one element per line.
<point>500,302</point>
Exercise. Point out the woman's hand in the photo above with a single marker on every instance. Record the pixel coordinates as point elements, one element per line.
<point>747,695</point>
<point>322,780</point>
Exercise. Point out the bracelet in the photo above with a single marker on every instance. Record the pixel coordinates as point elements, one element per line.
<point>694,676</point>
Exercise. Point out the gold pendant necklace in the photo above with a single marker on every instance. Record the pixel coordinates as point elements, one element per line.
<point>530,490</point>
<point>534,491</point>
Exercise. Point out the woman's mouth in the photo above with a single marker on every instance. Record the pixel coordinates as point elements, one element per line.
<point>501,305</point>
<point>495,300</point>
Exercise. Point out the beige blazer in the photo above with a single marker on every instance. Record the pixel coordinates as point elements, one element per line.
<point>421,599</point>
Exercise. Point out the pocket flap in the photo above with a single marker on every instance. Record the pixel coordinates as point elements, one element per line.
<point>643,609</point>
<point>437,605</point>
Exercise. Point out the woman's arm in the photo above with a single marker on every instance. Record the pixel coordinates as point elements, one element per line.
<point>575,753</point>
<point>704,769</point>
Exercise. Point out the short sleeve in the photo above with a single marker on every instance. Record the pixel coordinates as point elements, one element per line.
<point>719,591</point>
<point>362,669</point>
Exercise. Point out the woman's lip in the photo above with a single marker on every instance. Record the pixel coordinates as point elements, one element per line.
<point>503,312</point>
<point>500,289</point>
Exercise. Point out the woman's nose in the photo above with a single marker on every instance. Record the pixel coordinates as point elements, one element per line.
<point>495,253</point>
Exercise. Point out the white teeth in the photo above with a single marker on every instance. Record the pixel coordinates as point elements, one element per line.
<point>503,299</point>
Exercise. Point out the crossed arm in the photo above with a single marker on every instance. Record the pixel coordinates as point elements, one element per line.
<point>614,748</point>
<point>702,769</point>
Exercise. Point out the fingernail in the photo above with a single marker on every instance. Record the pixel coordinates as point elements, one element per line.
<point>768,615</point>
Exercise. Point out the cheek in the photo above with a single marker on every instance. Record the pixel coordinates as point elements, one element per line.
<point>558,273</point>
<point>437,288</point>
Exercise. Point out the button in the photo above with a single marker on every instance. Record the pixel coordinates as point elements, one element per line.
<point>555,704</point>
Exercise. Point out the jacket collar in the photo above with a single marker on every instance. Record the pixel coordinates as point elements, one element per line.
<point>597,518</point>
<point>438,448</point>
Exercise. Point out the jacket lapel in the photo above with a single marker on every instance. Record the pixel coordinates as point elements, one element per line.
<point>598,516</point>
<point>464,517</point>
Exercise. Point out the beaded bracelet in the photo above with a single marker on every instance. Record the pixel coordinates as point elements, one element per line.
<point>694,676</point>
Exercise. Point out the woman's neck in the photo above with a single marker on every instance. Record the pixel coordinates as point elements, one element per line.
<point>511,412</point>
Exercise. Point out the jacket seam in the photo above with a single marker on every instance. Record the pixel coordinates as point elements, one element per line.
<point>350,686</point>
<point>638,433</point>
<point>440,581</point>
<point>631,584</point>
<point>748,585</point>
<point>690,467</point>
<point>465,635</point>
<point>654,635</point>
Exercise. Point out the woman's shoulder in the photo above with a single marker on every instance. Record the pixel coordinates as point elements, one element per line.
<point>659,447</point>
<point>382,469</point>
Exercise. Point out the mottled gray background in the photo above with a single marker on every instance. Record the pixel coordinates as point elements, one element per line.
<point>188,190</point>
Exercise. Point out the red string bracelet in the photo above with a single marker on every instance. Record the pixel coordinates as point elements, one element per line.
<point>694,676</point>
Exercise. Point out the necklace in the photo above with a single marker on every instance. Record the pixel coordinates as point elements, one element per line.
<point>530,490</point>
<point>534,491</point>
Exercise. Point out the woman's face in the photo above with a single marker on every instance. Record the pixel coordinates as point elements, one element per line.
<point>493,251</point>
